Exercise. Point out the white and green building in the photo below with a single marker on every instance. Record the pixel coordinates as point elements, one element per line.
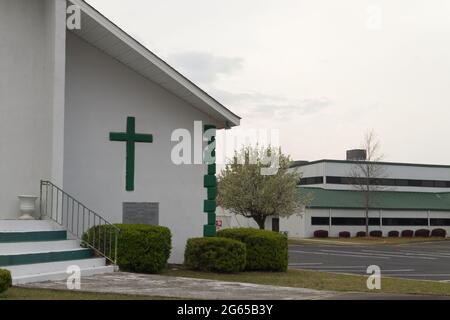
<point>90,112</point>
<point>407,196</point>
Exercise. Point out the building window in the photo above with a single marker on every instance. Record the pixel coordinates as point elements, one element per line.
<point>428,183</point>
<point>311,180</point>
<point>389,182</point>
<point>441,184</point>
<point>276,224</point>
<point>401,182</point>
<point>334,180</point>
<point>440,222</point>
<point>405,222</point>
<point>414,183</point>
<point>320,221</point>
<point>347,221</point>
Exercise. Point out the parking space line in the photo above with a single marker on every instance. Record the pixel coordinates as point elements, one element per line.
<point>305,264</point>
<point>340,255</point>
<point>422,275</point>
<point>392,255</point>
<point>342,267</point>
<point>409,253</point>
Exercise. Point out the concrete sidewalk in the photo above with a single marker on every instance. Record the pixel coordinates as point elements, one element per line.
<point>201,289</point>
<point>187,288</point>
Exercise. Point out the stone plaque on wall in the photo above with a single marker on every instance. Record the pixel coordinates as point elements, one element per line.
<point>141,213</point>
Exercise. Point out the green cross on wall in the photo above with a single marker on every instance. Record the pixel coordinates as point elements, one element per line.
<point>130,137</point>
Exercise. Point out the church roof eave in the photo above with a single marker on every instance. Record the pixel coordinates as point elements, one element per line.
<point>111,39</point>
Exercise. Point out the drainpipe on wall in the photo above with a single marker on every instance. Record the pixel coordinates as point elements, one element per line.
<point>330,224</point>
<point>428,217</point>
<point>381,218</point>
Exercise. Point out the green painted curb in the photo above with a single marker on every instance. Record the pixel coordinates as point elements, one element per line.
<point>33,236</point>
<point>44,257</point>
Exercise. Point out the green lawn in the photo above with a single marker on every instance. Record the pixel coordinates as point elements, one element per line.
<point>366,241</point>
<point>321,281</point>
<point>18,293</point>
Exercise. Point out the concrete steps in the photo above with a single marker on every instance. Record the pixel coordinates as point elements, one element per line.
<point>57,270</point>
<point>30,247</point>
<point>37,251</point>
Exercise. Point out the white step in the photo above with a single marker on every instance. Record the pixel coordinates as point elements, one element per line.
<point>28,225</point>
<point>36,247</point>
<point>39,272</point>
<point>49,267</point>
<point>57,276</point>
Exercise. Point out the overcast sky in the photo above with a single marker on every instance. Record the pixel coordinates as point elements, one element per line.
<point>321,71</point>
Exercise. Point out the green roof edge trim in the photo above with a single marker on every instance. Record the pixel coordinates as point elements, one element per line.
<point>296,164</point>
<point>383,200</point>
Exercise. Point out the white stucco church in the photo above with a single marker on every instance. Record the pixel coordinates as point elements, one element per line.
<point>91,111</point>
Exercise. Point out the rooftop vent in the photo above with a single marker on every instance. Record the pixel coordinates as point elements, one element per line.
<point>356,155</point>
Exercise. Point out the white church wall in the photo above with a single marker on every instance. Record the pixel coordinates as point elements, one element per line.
<point>27,87</point>
<point>100,94</point>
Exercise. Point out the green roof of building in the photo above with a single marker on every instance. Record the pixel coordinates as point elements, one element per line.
<point>387,200</point>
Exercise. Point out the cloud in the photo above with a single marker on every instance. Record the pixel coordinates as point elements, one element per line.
<point>276,107</point>
<point>204,68</point>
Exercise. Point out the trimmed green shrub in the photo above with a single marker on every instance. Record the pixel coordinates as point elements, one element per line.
<point>361,234</point>
<point>266,250</point>
<point>376,233</point>
<point>140,248</point>
<point>215,254</point>
<point>424,233</point>
<point>344,234</point>
<point>393,234</point>
<point>439,233</point>
<point>407,233</point>
<point>5,280</point>
<point>321,234</point>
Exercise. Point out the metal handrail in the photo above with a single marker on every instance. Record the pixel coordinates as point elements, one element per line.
<point>82,222</point>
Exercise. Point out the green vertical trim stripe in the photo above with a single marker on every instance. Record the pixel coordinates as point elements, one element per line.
<point>210,183</point>
<point>212,169</point>
<point>209,206</point>
<point>209,230</point>
<point>212,219</point>
<point>212,193</point>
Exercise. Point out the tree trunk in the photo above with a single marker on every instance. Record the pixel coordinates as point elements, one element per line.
<point>261,221</point>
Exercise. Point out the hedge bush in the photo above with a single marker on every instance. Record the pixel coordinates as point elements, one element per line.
<point>393,234</point>
<point>439,233</point>
<point>376,233</point>
<point>321,234</point>
<point>423,233</point>
<point>344,234</point>
<point>361,234</point>
<point>266,250</point>
<point>5,280</point>
<point>215,254</point>
<point>141,248</point>
<point>407,233</point>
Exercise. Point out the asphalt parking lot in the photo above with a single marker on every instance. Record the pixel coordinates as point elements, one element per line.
<point>420,261</point>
